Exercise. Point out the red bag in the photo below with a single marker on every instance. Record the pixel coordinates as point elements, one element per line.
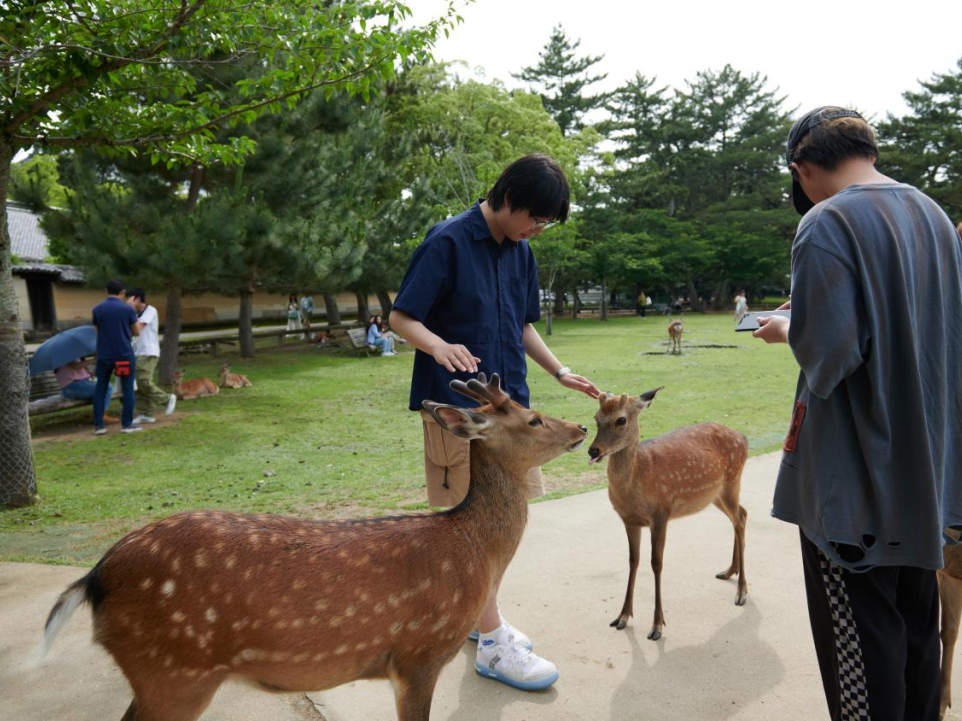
<point>122,369</point>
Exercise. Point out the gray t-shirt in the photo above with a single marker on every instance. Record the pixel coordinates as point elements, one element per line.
<point>873,458</point>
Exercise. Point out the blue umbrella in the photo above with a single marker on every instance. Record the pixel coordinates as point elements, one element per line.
<point>63,348</point>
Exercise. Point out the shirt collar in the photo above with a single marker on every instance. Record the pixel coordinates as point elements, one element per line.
<point>480,229</point>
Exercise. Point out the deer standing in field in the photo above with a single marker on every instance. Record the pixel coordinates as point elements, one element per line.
<point>298,605</point>
<point>675,329</point>
<point>196,388</point>
<point>232,380</point>
<point>670,476</point>
<point>950,596</point>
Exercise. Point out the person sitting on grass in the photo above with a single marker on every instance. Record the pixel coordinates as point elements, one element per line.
<point>376,338</point>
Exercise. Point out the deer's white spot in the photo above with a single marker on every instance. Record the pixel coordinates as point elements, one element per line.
<point>340,650</point>
<point>229,563</point>
<point>146,583</point>
<point>360,647</point>
<point>175,564</point>
<point>177,616</point>
<point>210,614</point>
<point>319,656</point>
<point>200,559</point>
<point>168,588</point>
<point>350,611</point>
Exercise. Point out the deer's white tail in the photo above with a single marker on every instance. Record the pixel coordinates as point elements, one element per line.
<point>68,602</point>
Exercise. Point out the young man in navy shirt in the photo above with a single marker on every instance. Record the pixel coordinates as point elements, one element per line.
<point>870,472</point>
<point>115,322</point>
<point>470,298</point>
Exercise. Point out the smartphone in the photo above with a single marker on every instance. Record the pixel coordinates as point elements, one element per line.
<point>749,321</point>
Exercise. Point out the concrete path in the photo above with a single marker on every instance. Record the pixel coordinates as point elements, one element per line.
<point>715,661</point>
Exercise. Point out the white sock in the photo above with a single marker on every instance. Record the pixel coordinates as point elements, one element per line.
<point>493,638</point>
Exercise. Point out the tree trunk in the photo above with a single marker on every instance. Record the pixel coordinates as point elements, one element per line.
<point>174,315</point>
<point>604,301</point>
<point>559,301</point>
<point>333,314</point>
<point>386,305</point>
<point>169,349</point>
<point>18,482</point>
<point>363,310</point>
<point>575,304</point>
<point>245,323</point>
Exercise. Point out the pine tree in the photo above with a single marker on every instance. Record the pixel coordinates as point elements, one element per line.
<point>561,78</point>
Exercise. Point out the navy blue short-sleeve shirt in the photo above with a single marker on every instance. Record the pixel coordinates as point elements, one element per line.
<point>113,319</point>
<point>469,289</point>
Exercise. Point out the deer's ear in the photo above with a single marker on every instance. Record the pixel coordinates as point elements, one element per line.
<point>462,422</point>
<point>645,399</point>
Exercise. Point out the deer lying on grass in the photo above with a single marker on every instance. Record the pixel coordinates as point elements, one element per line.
<point>232,380</point>
<point>671,476</point>
<point>298,605</point>
<point>675,329</point>
<point>196,388</point>
<point>950,595</point>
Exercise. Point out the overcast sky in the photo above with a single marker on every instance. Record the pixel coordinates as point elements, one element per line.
<point>857,54</point>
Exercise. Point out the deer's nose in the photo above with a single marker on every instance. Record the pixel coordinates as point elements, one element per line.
<point>583,429</point>
<point>594,452</point>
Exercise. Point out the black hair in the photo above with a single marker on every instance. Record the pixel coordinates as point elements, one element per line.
<point>115,287</point>
<point>835,138</point>
<point>137,293</point>
<point>534,183</point>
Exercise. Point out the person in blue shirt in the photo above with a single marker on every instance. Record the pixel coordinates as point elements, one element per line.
<point>376,338</point>
<point>116,323</point>
<point>468,301</point>
<point>870,471</point>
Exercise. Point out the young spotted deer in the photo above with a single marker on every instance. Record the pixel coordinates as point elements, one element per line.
<point>232,380</point>
<point>297,605</point>
<point>194,388</point>
<point>670,476</point>
<point>675,330</point>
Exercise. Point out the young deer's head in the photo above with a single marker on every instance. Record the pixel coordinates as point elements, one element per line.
<point>178,375</point>
<point>520,437</point>
<point>617,420</point>
<point>225,368</point>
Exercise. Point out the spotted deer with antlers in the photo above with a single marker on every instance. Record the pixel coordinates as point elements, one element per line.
<point>298,605</point>
<point>670,476</point>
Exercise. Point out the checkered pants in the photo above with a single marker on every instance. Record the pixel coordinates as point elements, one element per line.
<point>853,691</point>
<point>876,636</point>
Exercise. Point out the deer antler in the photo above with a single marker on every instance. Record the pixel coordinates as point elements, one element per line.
<point>481,390</point>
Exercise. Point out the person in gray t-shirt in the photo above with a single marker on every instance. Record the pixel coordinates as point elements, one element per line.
<point>870,471</point>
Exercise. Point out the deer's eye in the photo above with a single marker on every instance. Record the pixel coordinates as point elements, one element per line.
<point>534,422</point>
<point>621,421</point>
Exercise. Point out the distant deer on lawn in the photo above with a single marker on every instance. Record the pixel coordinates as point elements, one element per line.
<point>299,605</point>
<point>195,388</point>
<point>667,477</point>
<point>675,329</point>
<point>232,380</point>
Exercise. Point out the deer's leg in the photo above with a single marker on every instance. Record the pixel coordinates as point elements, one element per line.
<point>950,594</point>
<point>184,702</point>
<point>658,529</point>
<point>720,504</point>
<point>739,518</point>
<point>634,555</point>
<point>413,694</point>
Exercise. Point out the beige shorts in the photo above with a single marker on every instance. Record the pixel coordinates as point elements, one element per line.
<point>447,467</point>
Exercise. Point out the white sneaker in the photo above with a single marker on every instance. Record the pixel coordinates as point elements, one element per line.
<point>171,404</point>
<point>99,431</point>
<point>131,429</point>
<point>514,665</point>
<point>144,419</point>
<point>387,353</point>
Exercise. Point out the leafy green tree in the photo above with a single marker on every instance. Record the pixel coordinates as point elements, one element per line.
<point>35,182</point>
<point>562,79</point>
<point>113,74</point>
<point>924,147</point>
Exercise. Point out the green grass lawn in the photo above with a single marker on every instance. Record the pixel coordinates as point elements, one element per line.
<point>326,434</point>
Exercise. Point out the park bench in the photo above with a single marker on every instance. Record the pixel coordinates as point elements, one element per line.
<point>358,338</point>
<point>45,396</point>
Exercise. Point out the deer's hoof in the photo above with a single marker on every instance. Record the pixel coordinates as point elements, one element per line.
<point>740,599</point>
<point>619,623</point>
<point>723,575</point>
<point>654,635</point>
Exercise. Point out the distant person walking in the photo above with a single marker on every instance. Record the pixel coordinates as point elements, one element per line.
<point>741,306</point>
<point>293,313</point>
<point>116,323</point>
<point>307,313</point>
<point>150,398</point>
